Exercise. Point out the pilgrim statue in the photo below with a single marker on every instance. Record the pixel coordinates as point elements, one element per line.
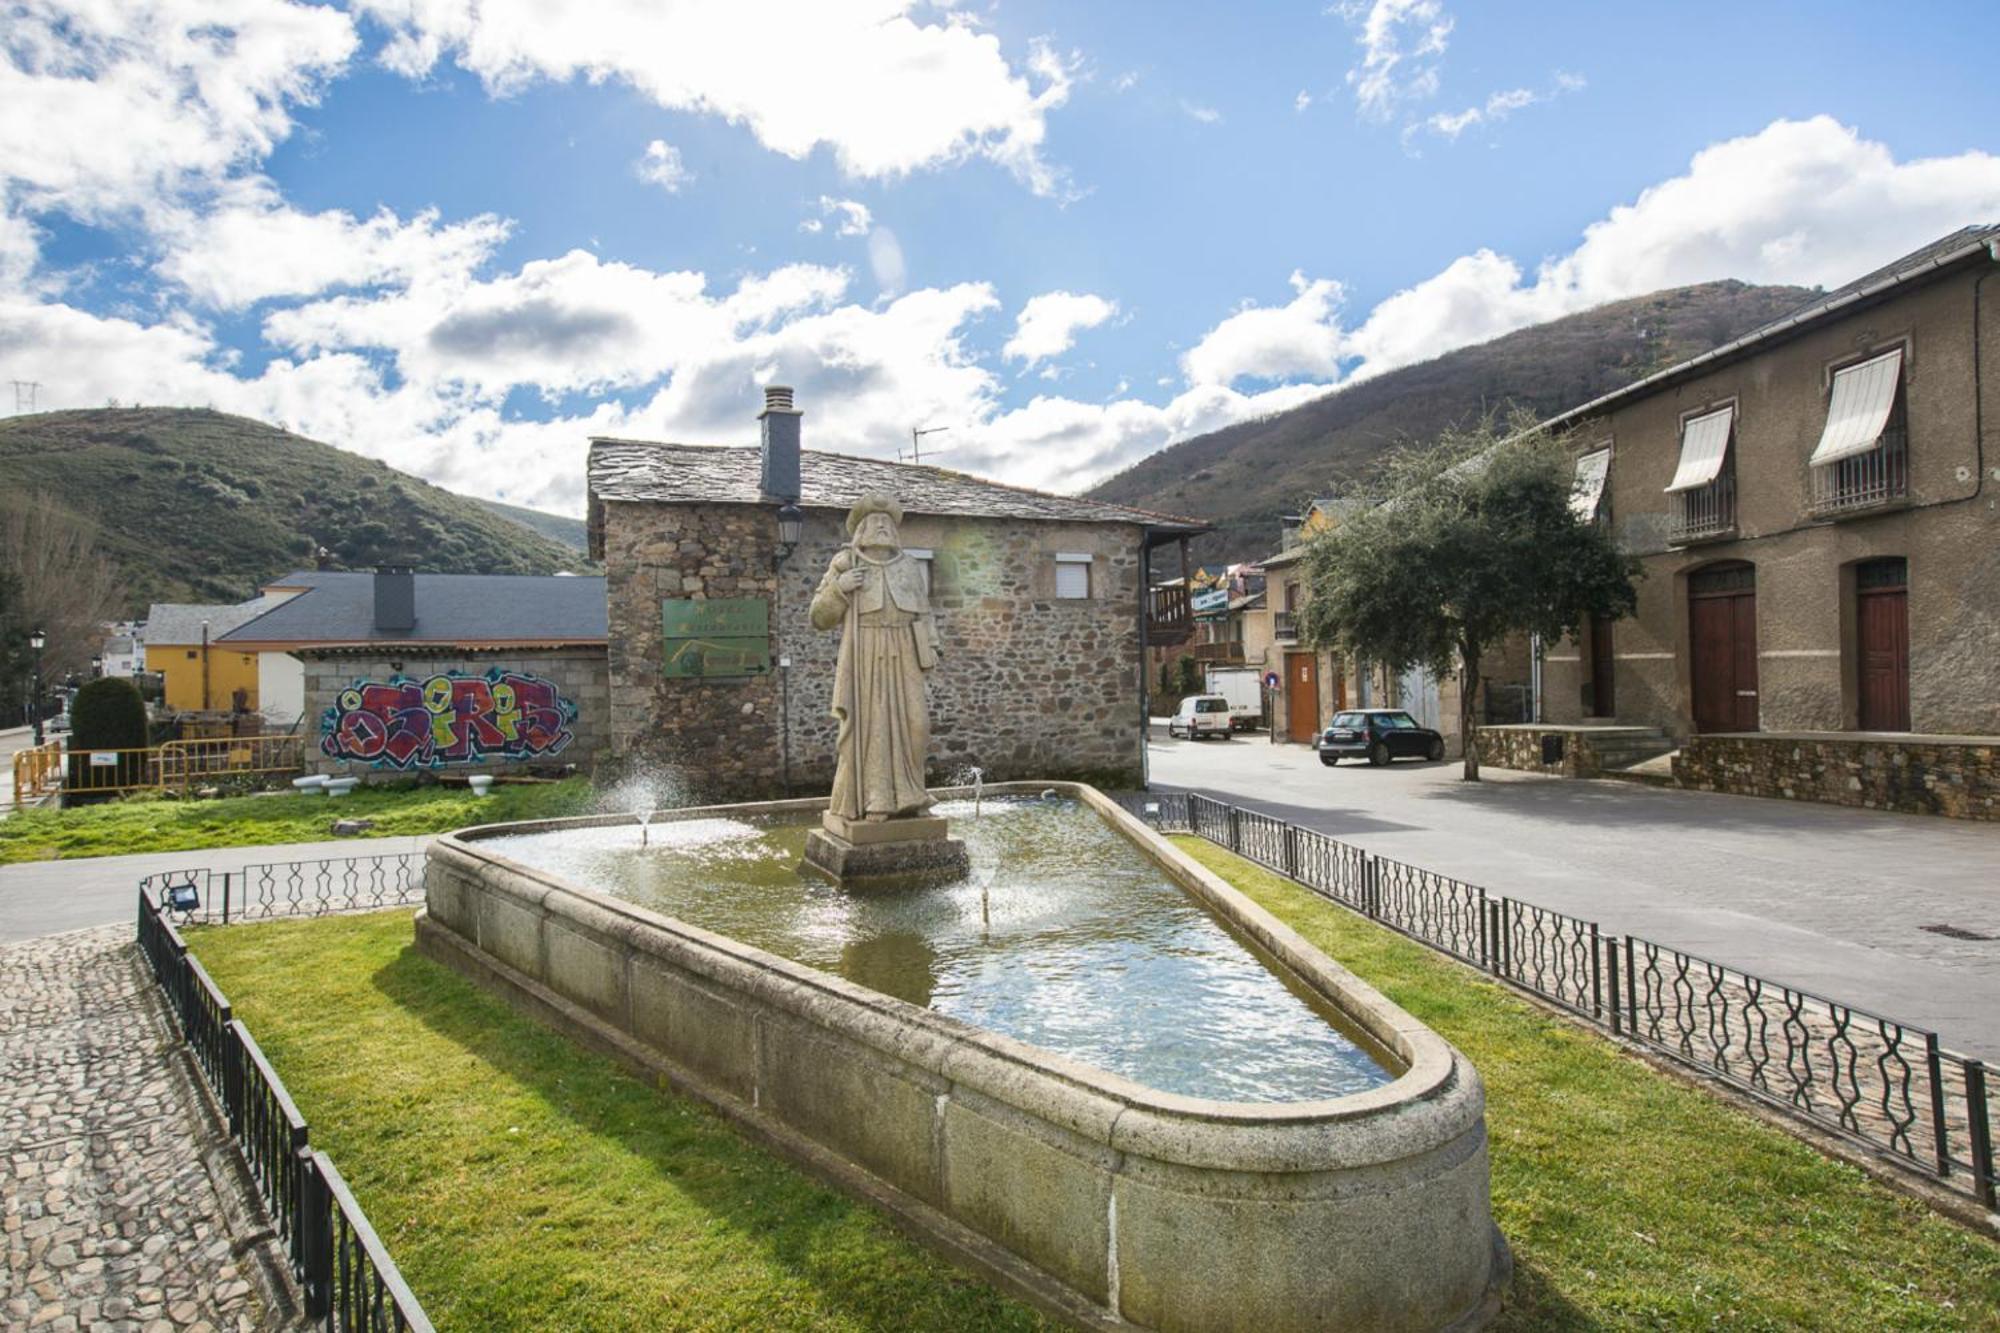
<point>875,593</point>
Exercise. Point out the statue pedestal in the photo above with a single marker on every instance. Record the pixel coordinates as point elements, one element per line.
<point>854,850</point>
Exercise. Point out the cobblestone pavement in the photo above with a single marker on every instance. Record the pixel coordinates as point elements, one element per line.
<point>111,1217</point>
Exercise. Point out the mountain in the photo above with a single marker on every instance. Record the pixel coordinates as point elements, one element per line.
<point>1242,477</point>
<point>196,505</point>
<point>558,528</point>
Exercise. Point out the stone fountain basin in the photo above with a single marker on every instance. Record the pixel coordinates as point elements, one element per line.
<point>1108,1203</point>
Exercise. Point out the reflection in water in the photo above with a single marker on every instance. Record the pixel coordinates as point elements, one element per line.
<point>1063,935</point>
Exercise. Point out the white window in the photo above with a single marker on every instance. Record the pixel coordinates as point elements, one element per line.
<point>1588,492</point>
<point>1072,575</point>
<point>925,561</point>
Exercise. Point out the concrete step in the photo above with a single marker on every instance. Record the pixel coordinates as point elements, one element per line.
<point>1657,771</point>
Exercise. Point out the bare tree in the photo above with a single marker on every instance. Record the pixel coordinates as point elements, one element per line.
<point>59,580</point>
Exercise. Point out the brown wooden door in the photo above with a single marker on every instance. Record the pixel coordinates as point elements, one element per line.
<point>1301,697</point>
<point>1882,645</point>
<point>1722,642</point>
<point>1603,698</point>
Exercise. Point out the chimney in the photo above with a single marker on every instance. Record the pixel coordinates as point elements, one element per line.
<point>780,437</point>
<point>395,599</point>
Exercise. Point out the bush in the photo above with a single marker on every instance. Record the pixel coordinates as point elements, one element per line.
<point>108,714</point>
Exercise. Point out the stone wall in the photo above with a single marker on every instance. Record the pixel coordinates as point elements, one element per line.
<point>577,675</point>
<point>1520,747</point>
<point>1956,776</point>
<point>1028,686</point>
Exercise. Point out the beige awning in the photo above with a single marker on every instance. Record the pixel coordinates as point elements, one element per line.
<point>1588,493</point>
<point>1858,411</point>
<point>1704,444</point>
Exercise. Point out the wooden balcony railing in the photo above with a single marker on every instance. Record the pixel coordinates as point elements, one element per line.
<point>1169,619</point>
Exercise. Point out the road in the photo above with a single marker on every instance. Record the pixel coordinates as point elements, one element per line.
<point>1823,898</point>
<point>43,897</point>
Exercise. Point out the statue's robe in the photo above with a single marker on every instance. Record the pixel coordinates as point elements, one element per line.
<point>878,684</point>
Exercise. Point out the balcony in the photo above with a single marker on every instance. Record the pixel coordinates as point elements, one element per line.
<point>1228,650</point>
<point>1285,626</point>
<point>1866,481</point>
<point>1169,619</point>
<point>1705,513</point>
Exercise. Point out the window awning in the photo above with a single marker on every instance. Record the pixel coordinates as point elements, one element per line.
<point>1704,444</point>
<point>1588,493</point>
<point>1858,411</point>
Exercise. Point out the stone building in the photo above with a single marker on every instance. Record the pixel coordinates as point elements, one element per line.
<point>1817,512</point>
<point>717,678</point>
<point>403,673</point>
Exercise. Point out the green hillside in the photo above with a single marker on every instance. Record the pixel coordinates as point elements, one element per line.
<point>196,505</point>
<point>558,528</point>
<point>1241,478</point>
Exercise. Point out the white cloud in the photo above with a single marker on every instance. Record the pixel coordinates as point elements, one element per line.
<point>248,245</point>
<point>1496,108</point>
<point>1302,101</point>
<point>1047,325</point>
<point>1125,82</point>
<point>812,226</point>
<point>1399,40</point>
<point>662,166</point>
<point>936,92</point>
<point>1299,338</point>
<point>1207,115</point>
<point>852,218</point>
<point>885,260</point>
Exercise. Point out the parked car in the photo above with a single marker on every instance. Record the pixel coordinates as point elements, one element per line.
<point>59,724</point>
<point>1378,735</point>
<point>1200,715</point>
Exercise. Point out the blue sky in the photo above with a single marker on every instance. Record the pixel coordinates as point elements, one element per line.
<point>461,237</point>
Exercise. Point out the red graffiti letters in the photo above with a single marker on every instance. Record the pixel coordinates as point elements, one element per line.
<point>447,719</point>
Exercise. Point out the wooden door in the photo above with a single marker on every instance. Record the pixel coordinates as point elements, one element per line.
<point>1603,700</point>
<point>1722,643</point>
<point>1301,697</point>
<point>1882,644</point>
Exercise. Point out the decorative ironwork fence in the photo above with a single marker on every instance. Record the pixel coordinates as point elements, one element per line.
<point>297,888</point>
<point>1884,1085</point>
<point>346,1275</point>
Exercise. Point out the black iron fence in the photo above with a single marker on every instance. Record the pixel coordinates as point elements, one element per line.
<point>1884,1085</point>
<point>296,888</point>
<point>348,1280</point>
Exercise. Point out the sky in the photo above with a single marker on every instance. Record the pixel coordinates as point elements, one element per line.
<point>463,236</point>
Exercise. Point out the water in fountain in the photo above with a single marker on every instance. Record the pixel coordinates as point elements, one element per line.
<point>645,792</point>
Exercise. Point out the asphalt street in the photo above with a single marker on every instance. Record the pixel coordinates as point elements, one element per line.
<point>1823,898</point>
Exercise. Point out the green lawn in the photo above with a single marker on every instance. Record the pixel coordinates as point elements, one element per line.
<point>524,1184</point>
<point>150,824</point>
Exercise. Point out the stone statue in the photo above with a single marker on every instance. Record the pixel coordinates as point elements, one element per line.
<point>875,594</point>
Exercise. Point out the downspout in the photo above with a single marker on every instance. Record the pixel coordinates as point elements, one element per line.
<point>1978,420</point>
<point>204,666</point>
<point>1145,700</point>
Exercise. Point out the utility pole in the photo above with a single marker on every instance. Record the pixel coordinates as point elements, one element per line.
<point>917,440</point>
<point>24,395</point>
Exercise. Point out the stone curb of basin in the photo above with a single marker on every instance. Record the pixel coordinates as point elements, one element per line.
<point>1375,1151</point>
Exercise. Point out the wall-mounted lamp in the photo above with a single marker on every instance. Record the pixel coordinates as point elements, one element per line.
<point>791,526</point>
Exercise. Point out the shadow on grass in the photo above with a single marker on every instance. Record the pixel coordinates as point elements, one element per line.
<point>805,1228</point>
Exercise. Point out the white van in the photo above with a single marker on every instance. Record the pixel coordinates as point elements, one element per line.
<point>1200,715</point>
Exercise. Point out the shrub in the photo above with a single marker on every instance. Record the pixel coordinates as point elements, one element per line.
<point>108,714</point>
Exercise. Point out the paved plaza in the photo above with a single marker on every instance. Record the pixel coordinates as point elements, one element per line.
<point>1825,898</point>
<point>113,1179</point>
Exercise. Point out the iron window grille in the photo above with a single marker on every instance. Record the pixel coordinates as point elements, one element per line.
<point>1707,511</point>
<point>1864,480</point>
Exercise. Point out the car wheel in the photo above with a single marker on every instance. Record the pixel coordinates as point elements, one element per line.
<point>1329,759</point>
<point>1436,750</point>
<point>1378,753</point>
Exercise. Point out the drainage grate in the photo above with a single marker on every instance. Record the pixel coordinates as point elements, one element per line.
<point>1957,933</point>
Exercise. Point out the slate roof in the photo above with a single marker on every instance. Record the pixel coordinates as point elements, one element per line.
<point>339,608</point>
<point>180,622</point>
<point>1919,265</point>
<point>714,474</point>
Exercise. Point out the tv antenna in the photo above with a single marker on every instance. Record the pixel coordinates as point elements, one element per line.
<point>24,395</point>
<point>917,440</point>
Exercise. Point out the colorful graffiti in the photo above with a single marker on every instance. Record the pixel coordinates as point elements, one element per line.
<point>448,719</point>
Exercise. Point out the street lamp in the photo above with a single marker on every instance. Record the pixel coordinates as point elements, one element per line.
<point>37,640</point>
<point>96,665</point>
<point>791,526</point>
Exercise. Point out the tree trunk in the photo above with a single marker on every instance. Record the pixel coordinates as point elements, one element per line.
<point>1468,694</point>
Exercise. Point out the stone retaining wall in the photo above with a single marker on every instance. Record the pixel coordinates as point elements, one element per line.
<point>1955,776</point>
<point>1520,747</point>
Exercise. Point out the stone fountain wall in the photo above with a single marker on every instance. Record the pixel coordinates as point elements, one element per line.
<point>1029,686</point>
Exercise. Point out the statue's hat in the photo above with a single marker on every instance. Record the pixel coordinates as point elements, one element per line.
<point>873,503</point>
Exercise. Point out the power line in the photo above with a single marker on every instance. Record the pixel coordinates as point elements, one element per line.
<point>24,395</point>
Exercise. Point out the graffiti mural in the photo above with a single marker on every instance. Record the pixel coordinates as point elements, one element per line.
<point>447,719</point>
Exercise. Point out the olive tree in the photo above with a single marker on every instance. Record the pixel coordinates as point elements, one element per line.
<point>1453,546</point>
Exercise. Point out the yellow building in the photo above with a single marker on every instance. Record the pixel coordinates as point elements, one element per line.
<point>202,676</point>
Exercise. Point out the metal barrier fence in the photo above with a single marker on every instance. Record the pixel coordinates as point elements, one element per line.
<point>184,763</point>
<point>297,888</point>
<point>345,1274</point>
<point>1886,1086</point>
<point>37,771</point>
<point>173,766</point>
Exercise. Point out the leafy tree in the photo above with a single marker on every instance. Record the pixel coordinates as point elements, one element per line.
<point>1460,543</point>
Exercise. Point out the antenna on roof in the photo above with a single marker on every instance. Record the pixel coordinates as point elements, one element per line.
<point>917,440</point>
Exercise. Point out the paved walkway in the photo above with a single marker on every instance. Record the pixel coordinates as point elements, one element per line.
<point>109,1218</point>
<point>1826,898</point>
<point>41,897</point>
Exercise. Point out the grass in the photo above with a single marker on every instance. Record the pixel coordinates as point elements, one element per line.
<point>523,1183</point>
<point>148,824</point>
